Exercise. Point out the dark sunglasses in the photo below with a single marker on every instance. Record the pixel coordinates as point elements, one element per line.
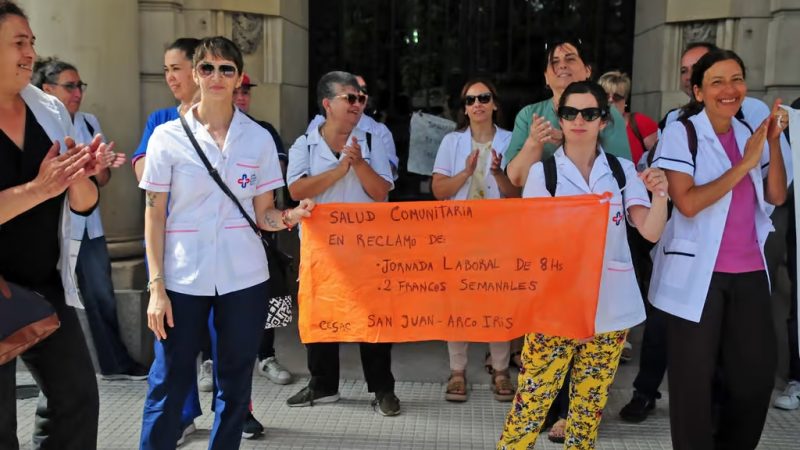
<point>81,86</point>
<point>617,97</point>
<point>207,69</point>
<point>589,114</point>
<point>484,98</point>
<point>353,98</point>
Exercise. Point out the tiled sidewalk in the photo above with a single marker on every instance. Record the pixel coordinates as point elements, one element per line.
<point>427,422</point>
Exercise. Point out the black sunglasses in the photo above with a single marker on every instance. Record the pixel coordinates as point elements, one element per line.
<point>589,114</point>
<point>207,69</point>
<point>353,98</point>
<point>484,98</point>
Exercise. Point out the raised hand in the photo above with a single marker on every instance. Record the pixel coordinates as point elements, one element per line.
<point>497,159</point>
<point>58,171</point>
<point>471,163</point>
<point>754,147</point>
<point>655,180</point>
<point>353,151</point>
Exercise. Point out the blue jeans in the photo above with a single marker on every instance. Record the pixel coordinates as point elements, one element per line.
<point>239,319</point>
<point>94,281</point>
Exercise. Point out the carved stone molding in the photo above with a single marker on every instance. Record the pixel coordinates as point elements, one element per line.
<point>248,31</point>
<point>700,32</point>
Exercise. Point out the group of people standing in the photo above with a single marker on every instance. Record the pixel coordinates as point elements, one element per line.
<point>210,171</point>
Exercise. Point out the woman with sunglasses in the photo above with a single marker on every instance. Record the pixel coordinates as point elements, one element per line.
<point>204,256</point>
<point>709,270</point>
<point>537,132</point>
<point>642,130</point>
<point>467,167</point>
<point>581,166</point>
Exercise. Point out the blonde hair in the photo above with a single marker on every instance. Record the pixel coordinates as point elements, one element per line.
<point>616,82</point>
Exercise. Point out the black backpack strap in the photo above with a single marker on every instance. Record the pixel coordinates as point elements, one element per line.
<point>691,136</point>
<point>616,170</point>
<point>369,142</point>
<point>89,126</point>
<point>550,175</point>
<point>663,122</point>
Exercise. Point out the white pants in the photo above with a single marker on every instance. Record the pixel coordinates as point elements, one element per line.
<point>499,351</point>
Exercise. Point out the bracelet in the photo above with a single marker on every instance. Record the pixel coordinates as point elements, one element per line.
<point>155,279</point>
<point>285,219</point>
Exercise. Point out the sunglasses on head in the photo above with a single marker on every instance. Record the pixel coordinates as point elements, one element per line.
<point>617,97</point>
<point>484,98</point>
<point>353,98</point>
<point>207,69</point>
<point>589,114</point>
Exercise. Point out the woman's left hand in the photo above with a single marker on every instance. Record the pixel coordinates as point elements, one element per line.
<point>300,211</point>
<point>778,121</point>
<point>655,180</point>
<point>497,159</point>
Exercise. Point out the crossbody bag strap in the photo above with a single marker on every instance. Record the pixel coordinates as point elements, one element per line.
<point>215,175</point>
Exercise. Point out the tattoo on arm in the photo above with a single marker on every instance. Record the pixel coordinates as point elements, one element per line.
<point>150,199</point>
<point>270,221</point>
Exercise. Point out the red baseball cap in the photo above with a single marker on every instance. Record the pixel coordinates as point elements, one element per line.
<point>246,81</point>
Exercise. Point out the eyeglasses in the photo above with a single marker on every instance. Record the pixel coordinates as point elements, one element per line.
<point>353,98</point>
<point>70,87</point>
<point>207,69</point>
<point>589,114</point>
<point>617,97</point>
<point>484,98</point>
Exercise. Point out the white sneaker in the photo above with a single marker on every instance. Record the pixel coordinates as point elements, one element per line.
<point>186,431</point>
<point>273,371</point>
<point>205,381</point>
<point>790,398</point>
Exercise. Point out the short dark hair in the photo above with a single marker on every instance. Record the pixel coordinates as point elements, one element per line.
<point>699,71</point>
<point>220,47</point>
<point>463,120</point>
<point>588,87</point>
<point>185,44</point>
<point>326,86</point>
<point>47,70</point>
<point>557,42</point>
<point>9,8</point>
<point>706,45</point>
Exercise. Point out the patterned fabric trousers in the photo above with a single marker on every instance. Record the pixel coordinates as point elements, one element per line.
<point>545,361</point>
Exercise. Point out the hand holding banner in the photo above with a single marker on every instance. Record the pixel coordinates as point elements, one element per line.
<point>476,270</point>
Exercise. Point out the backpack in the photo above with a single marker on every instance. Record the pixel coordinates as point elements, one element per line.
<point>691,135</point>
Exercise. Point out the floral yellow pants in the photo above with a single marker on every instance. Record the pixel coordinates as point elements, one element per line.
<point>545,361</point>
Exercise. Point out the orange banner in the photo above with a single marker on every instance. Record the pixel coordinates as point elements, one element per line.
<point>477,270</point>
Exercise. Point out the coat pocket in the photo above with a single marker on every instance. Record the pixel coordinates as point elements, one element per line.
<point>679,258</point>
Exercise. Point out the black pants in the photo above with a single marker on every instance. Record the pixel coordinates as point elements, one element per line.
<point>67,413</point>
<point>791,265</point>
<point>267,347</point>
<point>376,360</point>
<point>653,360</point>
<point>735,333</point>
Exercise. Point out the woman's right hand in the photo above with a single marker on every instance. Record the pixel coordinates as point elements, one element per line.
<point>541,132</point>
<point>471,163</point>
<point>754,147</point>
<point>158,309</point>
<point>58,171</point>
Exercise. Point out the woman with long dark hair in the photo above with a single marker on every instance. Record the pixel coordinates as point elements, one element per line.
<point>581,166</point>
<point>709,271</point>
<point>468,167</point>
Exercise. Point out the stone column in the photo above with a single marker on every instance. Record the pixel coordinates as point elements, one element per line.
<point>101,38</point>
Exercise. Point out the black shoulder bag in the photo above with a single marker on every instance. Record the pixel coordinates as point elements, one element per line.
<point>280,302</point>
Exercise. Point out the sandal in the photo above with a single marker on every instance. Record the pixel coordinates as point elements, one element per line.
<point>456,387</point>
<point>558,431</point>
<point>487,363</point>
<point>501,386</point>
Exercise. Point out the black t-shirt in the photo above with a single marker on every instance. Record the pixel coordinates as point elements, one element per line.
<point>29,243</point>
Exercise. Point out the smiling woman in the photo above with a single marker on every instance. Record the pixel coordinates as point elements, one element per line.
<point>38,187</point>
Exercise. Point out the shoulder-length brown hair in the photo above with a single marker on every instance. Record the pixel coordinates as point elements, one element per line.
<point>463,120</point>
